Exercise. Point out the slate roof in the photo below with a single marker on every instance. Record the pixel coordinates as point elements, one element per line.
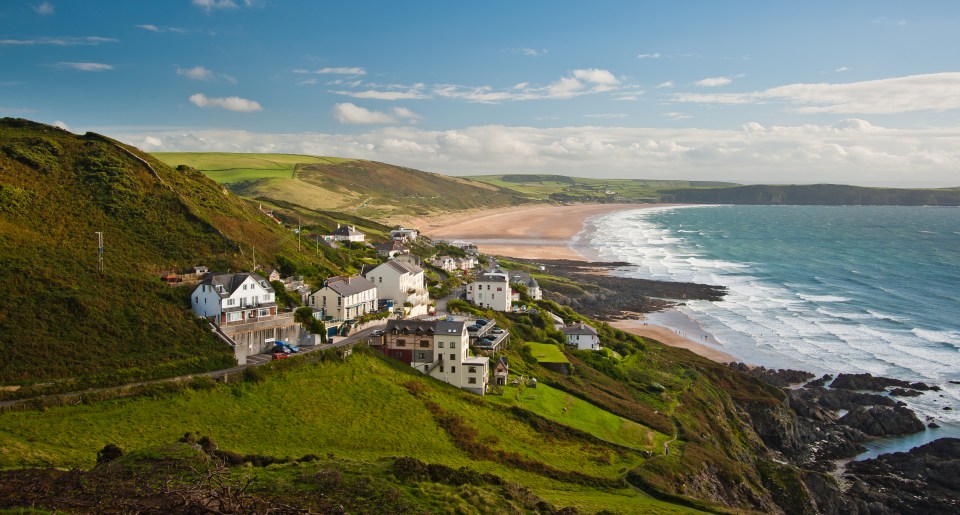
<point>404,267</point>
<point>497,276</point>
<point>347,286</point>
<point>230,282</point>
<point>579,328</point>
<point>346,230</point>
<point>523,278</point>
<point>391,246</point>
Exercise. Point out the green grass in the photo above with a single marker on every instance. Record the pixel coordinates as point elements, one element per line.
<point>359,409</point>
<point>566,409</point>
<point>547,353</point>
<point>557,187</point>
<point>227,168</point>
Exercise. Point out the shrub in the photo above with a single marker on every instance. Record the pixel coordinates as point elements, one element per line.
<point>109,453</point>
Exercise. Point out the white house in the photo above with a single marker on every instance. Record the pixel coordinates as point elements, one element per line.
<point>347,233</point>
<point>391,249</point>
<point>343,298</point>
<point>402,283</point>
<point>439,348</point>
<point>243,308</point>
<point>585,337</point>
<point>445,263</point>
<point>404,234</point>
<point>533,287</point>
<point>491,290</point>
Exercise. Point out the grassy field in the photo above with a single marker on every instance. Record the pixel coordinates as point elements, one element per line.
<point>361,409</point>
<point>566,409</point>
<point>226,168</point>
<point>559,187</point>
<point>547,353</point>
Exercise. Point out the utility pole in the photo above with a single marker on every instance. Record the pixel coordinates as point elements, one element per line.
<point>100,251</point>
<point>254,259</point>
<point>299,230</point>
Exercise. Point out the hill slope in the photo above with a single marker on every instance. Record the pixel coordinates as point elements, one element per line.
<point>57,190</point>
<point>815,194</point>
<point>365,188</point>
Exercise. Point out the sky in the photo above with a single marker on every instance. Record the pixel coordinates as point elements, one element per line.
<point>857,92</point>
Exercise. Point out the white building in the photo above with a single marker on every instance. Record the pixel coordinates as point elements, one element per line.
<point>533,287</point>
<point>344,298</point>
<point>347,233</point>
<point>403,283</point>
<point>404,234</point>
<point>445,263</point>
<point>243,309</point>
<point>585,337</point>
<point>439,348</point>
<point>491,290</point>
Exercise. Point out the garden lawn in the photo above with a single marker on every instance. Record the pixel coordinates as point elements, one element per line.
<point>547,353</point>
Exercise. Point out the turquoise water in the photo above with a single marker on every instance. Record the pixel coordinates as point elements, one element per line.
<point>824,289</point>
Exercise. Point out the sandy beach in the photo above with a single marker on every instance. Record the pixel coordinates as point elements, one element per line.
<point>546,232</point>
<point>532,232</point>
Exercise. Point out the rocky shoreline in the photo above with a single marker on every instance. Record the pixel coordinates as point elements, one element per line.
<point>831,420</point>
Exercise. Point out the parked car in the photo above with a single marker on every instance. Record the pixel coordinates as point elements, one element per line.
<point>498,330</point>
<point>280,355</point>
<point>280,349</point>
<point>288,346</point>
<point>481,322</point>
<point>378,332</point>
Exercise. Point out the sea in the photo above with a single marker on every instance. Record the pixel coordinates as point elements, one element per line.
<point>827,289</point>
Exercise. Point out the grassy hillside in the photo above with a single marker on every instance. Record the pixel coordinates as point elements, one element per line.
<point>578,189</point>
<point>66,319</point>
<point>365,188</point>
<point>366,409</point>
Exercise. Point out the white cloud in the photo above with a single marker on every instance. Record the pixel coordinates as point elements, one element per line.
<point>655,55</point>
<point>529,52</point>
<point>849,151</point>
<point>842,69</point>
<point>673,115</point>
<point>606,116</point>
<point>147,26</point>
<point>667,84</point>
<point>153,28</point>
<point>596,76</point>
<point>411,94</point>
<point>353,114</point>
<point>241,105</point>
<point>210,5</point>
<point>713,82</point>
<point>62,125</point>
<point>195,73</point>
<point>340,70</point>
<point>934,92</point>
<point>44,8</point>
<point>59,41</point>
<point>406,114</point>
<point>84,67</point>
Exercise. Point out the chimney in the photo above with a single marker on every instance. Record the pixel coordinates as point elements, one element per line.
<point>338,225</point>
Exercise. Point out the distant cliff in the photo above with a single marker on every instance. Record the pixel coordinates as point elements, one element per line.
<point>815,194</point>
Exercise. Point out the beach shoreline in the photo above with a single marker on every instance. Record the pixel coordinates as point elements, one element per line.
<point>549,232</point>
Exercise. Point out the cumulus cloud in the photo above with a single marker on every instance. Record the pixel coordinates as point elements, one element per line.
<point>44,8</point>
<point>655,55</point>
<point>934,92</point>
<point>195,73</point>
<point>410,94</point>
<point>850,151</point>
<point>666,84</point>
<point>240,105</point>
<point>154,28</point>
<point>596,76</point>
<point>59,41</point>
<point>406,114</point>
<point>353,114</point>
<point>84,67</point>
<point>713,82</point>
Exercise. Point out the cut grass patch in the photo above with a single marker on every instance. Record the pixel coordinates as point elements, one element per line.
<point>547,353</point>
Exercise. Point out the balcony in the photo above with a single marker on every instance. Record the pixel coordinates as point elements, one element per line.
<point>259,324</point>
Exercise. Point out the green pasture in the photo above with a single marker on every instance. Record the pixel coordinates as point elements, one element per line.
<point>547,353</point>
<point>226,167</point>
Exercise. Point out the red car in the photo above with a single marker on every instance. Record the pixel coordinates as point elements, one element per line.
<point>280,355</point>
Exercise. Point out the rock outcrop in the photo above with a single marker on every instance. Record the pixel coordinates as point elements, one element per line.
<point>883,421</point>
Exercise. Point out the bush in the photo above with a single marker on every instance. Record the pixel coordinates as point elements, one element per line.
<point>109,453</point>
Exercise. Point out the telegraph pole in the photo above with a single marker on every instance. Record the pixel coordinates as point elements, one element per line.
<point>299,230</point>
<point>100,251</point>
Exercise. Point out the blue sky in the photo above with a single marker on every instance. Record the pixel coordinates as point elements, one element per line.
<point>862,92</point>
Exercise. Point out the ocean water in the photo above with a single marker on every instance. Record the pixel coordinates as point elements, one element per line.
<point>823,289</point>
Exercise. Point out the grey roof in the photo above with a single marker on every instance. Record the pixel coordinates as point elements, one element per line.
<point>426,327</point>
<point>346,230</point>
<point>390,246</point>
<point>523,278</point>
<point>404,267</point>
<point>350,285</point>
<point>579,328</point>
<point>493,276</point>
<point>450,327</point>
<point>230,282</point>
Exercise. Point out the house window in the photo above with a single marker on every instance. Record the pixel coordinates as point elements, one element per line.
<point>401,343</point>
<point>196,300</point>
<point>439,345</point>
<point>473,370</point>
<point>441,368</point>
<point>424,343</point>
<point>264,312</point>
<point>233,317</point>
<point>453,357</point>
<point>453,345</point>
<point>231,302</point>
<point>453,369</point>
<point>472,380</point>
<point>421,355</point>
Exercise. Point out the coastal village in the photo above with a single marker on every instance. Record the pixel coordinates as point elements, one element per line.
<point>389,299</point>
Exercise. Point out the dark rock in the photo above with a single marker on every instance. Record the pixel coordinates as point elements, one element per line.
<point>947,408</point>
<point>933,425</point>
<point>819,383</point>
<point>843,399</point>
<point>867,382</point>
<point>954,382</point>
<point>902,392</point>
<point>883,421</point>
<point>924,480</point>
<point>924,387</point>
<point>781,378</point>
